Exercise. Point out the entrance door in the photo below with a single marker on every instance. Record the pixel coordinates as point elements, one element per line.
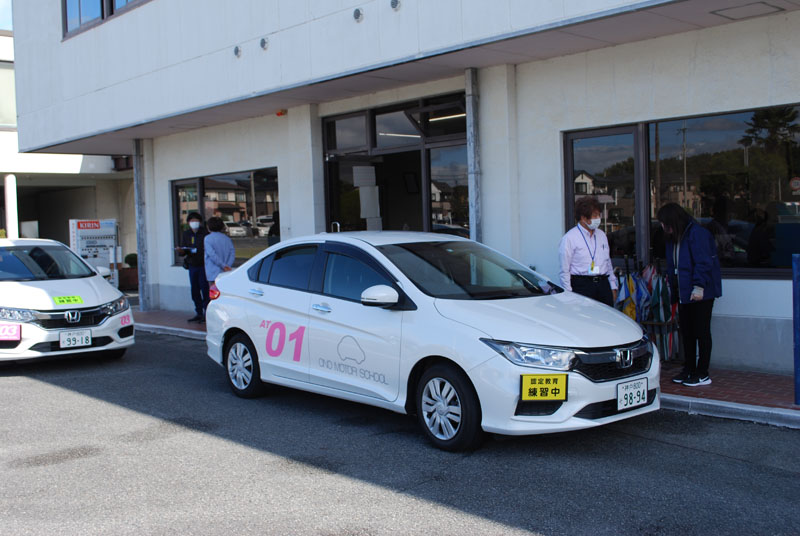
<point>606,164</point>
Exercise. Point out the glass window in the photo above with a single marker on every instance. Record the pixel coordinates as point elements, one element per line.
<point>450,191</point>
<point>5,16</point>
<point>395,129</point>
<point>8,105</point>
<point>73,14</point>
<point>737,174</point>
<point>346,277</point>
<point>603,166</point>
<point>347,133</point>
<point>90,10</point>
<point>292,268</point>
<point>465,270</point>
<point>36,263</point>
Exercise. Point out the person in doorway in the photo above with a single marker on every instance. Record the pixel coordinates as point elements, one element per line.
<point>694,272</point>
<point>191,249</point>
<point>585,257</point>
<point>219,249</point>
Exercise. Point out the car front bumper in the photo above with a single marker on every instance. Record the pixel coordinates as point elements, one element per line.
<point>113,333</point>
<point>588,404</point>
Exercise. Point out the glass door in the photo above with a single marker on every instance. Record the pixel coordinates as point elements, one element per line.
<point>607,164</point>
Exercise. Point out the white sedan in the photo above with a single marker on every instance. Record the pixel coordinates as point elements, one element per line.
<point>53,303</point>
<point>434,325</point>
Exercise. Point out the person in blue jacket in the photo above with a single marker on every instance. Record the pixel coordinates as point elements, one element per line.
<point>694,272</point>
<point>219,251</point>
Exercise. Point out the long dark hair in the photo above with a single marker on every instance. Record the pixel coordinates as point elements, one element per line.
<point>675,220</point>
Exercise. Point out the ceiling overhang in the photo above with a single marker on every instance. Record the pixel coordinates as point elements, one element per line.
<point>657,19</point>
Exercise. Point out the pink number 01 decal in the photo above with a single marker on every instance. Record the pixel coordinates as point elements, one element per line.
<point>275,349</point>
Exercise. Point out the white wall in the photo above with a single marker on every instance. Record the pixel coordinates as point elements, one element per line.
<point>155,60</point>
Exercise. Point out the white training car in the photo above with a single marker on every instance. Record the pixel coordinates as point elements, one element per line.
<point>53,303</point>
<point>436,325</point>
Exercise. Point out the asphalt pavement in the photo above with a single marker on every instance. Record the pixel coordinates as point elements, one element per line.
<point>156,443</point>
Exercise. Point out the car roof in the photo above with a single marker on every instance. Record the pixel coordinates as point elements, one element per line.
<point>382,238</point>
<point>8,242</point>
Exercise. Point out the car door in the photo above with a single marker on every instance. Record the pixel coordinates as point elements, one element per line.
<point>355,348</point>
<point>278,302</point>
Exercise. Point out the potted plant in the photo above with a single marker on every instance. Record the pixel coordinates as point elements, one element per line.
<point>129,277</point>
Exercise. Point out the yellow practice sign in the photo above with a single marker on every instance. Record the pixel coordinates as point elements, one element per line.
<point>543,387</point>
<point>67,300</point>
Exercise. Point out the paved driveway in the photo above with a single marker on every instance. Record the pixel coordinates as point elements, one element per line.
<point>156,444</point>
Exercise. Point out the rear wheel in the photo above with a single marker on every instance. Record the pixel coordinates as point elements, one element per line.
<point>241,365</point>
<point>448,409</point>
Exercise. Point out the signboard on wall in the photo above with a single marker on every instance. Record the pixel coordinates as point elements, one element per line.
<point>96,242</point>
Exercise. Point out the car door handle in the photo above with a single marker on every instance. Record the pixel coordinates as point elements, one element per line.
<point>256,292</point>
<point>321,308</point>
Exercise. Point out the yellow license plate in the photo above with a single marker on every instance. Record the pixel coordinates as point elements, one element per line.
<point>67,300</point>
<point>543,387</point>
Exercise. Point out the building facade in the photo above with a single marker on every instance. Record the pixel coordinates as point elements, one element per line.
<point>475,118</point>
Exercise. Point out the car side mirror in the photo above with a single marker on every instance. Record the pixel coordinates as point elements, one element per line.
<point>379,296</point>
<point>102,271</point>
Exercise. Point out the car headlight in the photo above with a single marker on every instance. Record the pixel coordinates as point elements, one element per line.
<point>116,306</point>
<point>529,355</point>
<point>17,315</point>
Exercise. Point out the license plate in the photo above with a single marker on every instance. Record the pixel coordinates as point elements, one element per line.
<point>631,394</point>
<point>75,339</point>
<point>543,387</point>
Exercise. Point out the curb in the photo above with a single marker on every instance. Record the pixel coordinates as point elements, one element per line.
<point>787,418</point>
<point>165,330</point>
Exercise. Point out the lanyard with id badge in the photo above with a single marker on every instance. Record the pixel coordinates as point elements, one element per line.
<point>594,269</point>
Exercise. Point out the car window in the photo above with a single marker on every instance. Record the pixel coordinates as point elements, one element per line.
<point>292,267</point>
<point>40,262</point>
<point>346,277</point>
<point>465,270</point>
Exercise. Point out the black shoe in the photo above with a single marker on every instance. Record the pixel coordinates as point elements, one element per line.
<point>680,378</point>
<point>196,318</point>
<point>694,381</point>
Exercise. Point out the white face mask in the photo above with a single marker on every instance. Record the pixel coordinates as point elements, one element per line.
<point>194,224</point>
<point>594,223</point>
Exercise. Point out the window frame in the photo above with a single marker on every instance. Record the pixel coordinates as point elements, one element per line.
<point>642,184</point>
<point>107,12</point>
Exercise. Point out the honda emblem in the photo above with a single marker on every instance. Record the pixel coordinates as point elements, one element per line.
<point>73,317</point>
<point>624,358</point>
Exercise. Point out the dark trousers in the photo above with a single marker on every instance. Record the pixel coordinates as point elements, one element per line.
<point>695,328</point>
<point>197,279</point>
<point>595,287</point>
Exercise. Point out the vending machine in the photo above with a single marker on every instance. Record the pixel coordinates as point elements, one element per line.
<point>96,242</point>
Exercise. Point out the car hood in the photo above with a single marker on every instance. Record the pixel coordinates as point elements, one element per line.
<point>39,294</point>
<point>566,320</point>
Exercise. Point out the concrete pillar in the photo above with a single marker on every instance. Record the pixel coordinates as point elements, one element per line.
<point>12,217</point>
<point>473,155</point>
<point>499,159</point>
<point>139,176</point>
<point>301,186</point>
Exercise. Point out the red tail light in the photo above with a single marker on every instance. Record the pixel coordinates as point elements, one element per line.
<point>213,292</point>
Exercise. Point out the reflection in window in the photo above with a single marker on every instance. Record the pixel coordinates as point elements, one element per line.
<point>347,133</point>
<point>394,130</point>
<point>604,167</point>
<point>8,107</point>
<point>247,202</point>
<point>347,278</point>
<point>293,268</point>
<point>90,10</point>
<point>78,13</point>
<point>450,191</point>
<point>734,173</point>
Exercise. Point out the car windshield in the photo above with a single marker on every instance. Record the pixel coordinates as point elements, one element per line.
<point>40,262</point>
<point>462,270</point>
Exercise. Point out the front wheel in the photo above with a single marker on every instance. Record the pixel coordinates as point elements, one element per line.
<point>241,364</point>
<point>448,409</point>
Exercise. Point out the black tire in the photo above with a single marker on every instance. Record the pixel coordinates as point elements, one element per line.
<point>448,409</point>
<point>241,367</point>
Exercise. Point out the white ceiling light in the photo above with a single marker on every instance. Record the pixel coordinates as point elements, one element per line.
<point>446,117</point>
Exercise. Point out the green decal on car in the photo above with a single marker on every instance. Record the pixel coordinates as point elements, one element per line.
<point>67,300</point>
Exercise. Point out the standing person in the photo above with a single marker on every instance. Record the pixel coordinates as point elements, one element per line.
<point>585,257</point>
<point>694,272</point>
<point>220,253</point>
<point>191,248</point>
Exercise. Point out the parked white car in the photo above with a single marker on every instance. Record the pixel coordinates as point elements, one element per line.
<point>236,230</point>
<point>440,326</point>
<point>53,303</point>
